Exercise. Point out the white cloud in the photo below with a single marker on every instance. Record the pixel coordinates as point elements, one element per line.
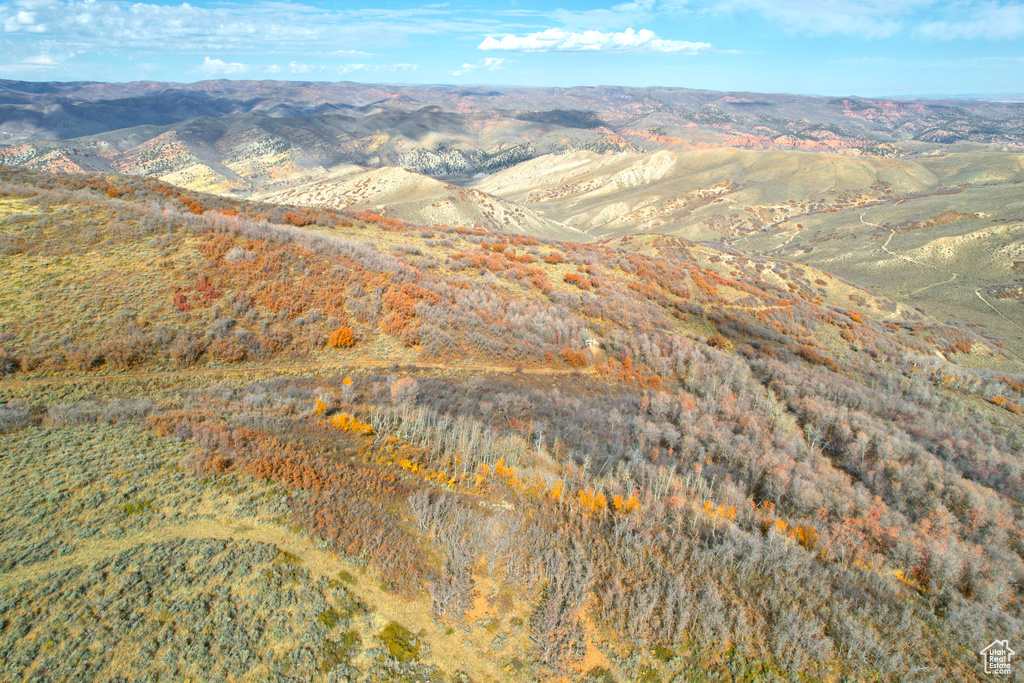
<point>557,40</point>
<point>297,68</point>
<point>349,68</point>
<point>991,21</point>
<point>22,21</point>
<point>349,53</point>
<point>34,63</point>
<point>218,67</point>
<point>256,28</point>
<point>41,61</point>
<point>619,16</point>
<point>488,64</point>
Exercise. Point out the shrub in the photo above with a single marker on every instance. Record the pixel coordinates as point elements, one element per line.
<point>342,338</point>
<point>663,653</point>
<point>573,357</point>
<point>719,342</point>
<point>554,257</point>
<point>137,507</point>
<point>227,350</point>
<point>400,643</point>
<point>125,410</point>
<point>577,279</point>
<point>405,390</point>
<point>338,652</point>
<point>72,414</point>
<point>299,220</point>
<point>962,346</point>
<point>329,617</point>
<point>599,674</point>
<point>125,352</point>
<point>8,365</point>
<point>14,416</point>
<point>187,348</point>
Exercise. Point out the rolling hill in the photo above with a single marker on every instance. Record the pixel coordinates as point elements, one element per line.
<point>309,381</point>
<point>405,195</point>
<point>241,135</point>
<point>314,443</point>
<point>941,232</point>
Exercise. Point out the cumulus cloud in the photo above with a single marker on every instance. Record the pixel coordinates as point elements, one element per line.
<point>991,21</point>
<point>557,40</point>
<point>20,20</point>
<point>488,64</point>
<point>218,67</point>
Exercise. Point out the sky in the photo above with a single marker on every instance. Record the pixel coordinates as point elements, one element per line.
<point>899,48</point>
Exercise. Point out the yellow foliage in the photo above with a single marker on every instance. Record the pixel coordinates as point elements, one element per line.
<point>347,381</point>
<point>592,501</point>
<point>807,536</point>
<point>720,512</point>
<point>320,407</point>
<point>626,504</point>
<point>350,423</point>
<point>907,581</point>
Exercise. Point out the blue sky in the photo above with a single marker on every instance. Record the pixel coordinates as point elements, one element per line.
<point>829,47</point>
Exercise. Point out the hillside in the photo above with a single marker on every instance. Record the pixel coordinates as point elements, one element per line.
<point>941,232</point>
<point>242,136</point>
<point>704,194</point>
<point>748,170</point>
<point>408,196</point>
<point>265,443</point>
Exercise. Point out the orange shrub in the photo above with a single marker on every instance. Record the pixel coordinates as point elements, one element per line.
<point>719,342</point>
<point>577,279</point>
<point>299,220</point>
<point>573,357</point>
<point>342,338</point>
<point>554,257</point>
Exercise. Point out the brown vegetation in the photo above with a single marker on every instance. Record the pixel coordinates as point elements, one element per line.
<point>696,491</point>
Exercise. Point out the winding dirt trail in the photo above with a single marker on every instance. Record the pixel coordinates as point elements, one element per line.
<point>977,292</point>
<point>997,311</point>
<point>904,257</point>
<point>944,282</point>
